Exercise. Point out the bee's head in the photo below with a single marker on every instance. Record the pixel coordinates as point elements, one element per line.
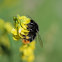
<point>34,26</point>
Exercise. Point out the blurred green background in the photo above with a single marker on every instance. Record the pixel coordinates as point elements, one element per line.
<point>48,15</point>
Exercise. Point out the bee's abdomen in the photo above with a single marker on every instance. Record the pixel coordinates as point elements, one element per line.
<point>31,36</point>
<point>33,28</point>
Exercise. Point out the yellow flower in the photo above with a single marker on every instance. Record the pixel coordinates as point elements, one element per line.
<point>22,32</point>
<point>23,47</point>
<point>29,47</point>
<point>24,26</point>
<point>32,44</point>
<point>24,58</point>
<point>21,27</point>
<point>1,24</point>
<point>30,58</point>
<point>8,26</point>
<point>16,37</point>
<point>5,41</point>
<point>17,34</point>
<point>4,45</point>
<point>24,19</point>
<point>14,31</point>
<point>28,51</point>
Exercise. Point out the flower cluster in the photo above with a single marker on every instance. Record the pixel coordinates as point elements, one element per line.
<point>20,29</point>
<point>20,32</point>
<point>27,51</point>
<point>5,28</point>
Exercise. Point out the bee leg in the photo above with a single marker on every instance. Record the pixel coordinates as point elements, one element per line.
<point>25,41</point>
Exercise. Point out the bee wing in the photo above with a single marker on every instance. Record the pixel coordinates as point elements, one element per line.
<point>36,39</point>
<point>39,39</point>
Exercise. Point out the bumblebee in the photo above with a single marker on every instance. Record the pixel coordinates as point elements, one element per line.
<point>26,28</point>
